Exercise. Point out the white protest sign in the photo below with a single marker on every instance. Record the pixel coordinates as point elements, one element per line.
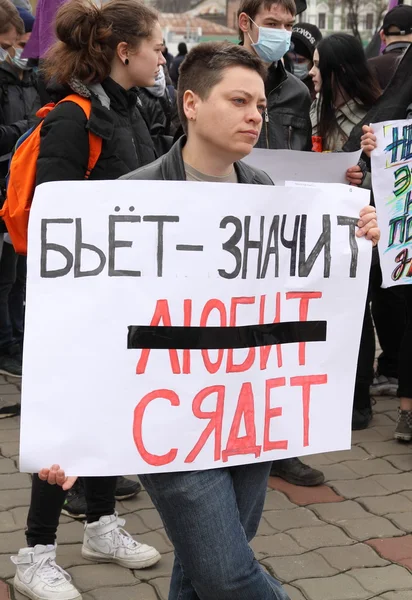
<point>293,165</point>
<point>392,188</point>
<point>153,314</point>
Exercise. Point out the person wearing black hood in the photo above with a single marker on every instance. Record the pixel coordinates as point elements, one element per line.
<point>177,61</point>
<point>396,34</point>
<point>305,38</point>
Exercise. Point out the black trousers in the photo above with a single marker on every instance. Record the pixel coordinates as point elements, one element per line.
<point>47,502</point>
<point>405,355</point>
<point>389,315</point>
<point>366,358</point>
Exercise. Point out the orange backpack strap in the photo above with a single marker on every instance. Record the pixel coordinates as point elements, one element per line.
<point>95,142</point>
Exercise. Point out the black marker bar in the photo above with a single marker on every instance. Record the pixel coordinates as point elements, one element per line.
<point>217,338</point>
<point>189,248</point>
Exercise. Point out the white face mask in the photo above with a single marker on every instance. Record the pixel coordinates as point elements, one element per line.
<point>272,44</point>
<point>159,88</point>
<point>18,61</point>
<point>301,71</point>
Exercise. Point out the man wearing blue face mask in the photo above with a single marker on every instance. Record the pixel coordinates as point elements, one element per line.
<point>265,29</point>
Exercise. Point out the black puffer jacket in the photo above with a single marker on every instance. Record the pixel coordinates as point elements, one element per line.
<point>115,117</point>
<point>170,167</point>
<point>286,123</point>
<point>18,102</point>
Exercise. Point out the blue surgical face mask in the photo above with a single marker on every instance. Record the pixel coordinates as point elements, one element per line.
<point>272,44</point>
<point>301,71</point>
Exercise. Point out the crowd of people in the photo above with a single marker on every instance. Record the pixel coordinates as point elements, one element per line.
<point>291,89</point>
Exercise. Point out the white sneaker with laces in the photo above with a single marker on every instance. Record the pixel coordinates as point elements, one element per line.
<point>106,541</point>
<point>39,577</point>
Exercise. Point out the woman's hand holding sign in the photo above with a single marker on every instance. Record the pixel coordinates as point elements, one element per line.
<point>368,225</point>
<point>56,476</point>
<point>368,140</point>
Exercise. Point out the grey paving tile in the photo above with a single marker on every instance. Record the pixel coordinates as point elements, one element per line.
<point>93,576</point>
<point>383,579</point>
<point>379,449</point>
<point>371,528</point>
<point>15,481</point>
<point>403,462</point>
<point>395,483</point>
<point>9,449</point>
<point>384,405</point>
<point>401,520</point>
<point>141,591</point>
<point>280,544</point>
<point>339,471</point>
<point>338,587</point>
<point>13,498</point>
<point>161,585</point>
<point>359,488</point>
<point>12,542</point>
<point>277,501</point>
<point>12,423</point>
<point>290,568</point>
<point>294,593</point>
<point>7,465</point>
<point>344,558</point>
<point>161,569</point>
<point>282,520</point>
<point>335,512</point>
<point>382,505</point>
<point>356,453</point>
<point>374,466</point>
<point>312,538</point>
<point>151,519</point>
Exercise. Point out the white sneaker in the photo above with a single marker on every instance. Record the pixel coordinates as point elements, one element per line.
<point>38,577</point>
<point>106,541</point>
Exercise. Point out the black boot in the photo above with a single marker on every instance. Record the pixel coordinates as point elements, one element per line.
<point>295,471</point>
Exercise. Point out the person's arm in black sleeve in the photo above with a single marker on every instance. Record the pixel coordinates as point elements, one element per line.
<point>9,134</point>
<point>64,146</point>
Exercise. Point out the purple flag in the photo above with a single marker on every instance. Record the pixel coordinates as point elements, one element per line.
<point>43,35</point>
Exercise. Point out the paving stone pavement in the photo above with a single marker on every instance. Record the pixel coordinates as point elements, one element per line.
<point>350,539</point>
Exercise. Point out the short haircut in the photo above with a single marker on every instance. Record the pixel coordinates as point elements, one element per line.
<point>252,7</point>
<point>204,67</point>
<point>9,18</point>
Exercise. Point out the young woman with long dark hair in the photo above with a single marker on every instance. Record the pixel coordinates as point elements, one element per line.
<point>345,88</point>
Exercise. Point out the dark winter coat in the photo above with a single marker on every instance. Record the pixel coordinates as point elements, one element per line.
<point>115,117</point>
<point>286,123</point>
<point>18,102</point>
<point>175,66</point>
<point>170,167</point>
<point>385,65</point>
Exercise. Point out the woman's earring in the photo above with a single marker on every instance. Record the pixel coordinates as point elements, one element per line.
<point>126,62</point>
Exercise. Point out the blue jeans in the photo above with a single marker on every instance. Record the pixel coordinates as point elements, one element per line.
<point>210,516</point>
